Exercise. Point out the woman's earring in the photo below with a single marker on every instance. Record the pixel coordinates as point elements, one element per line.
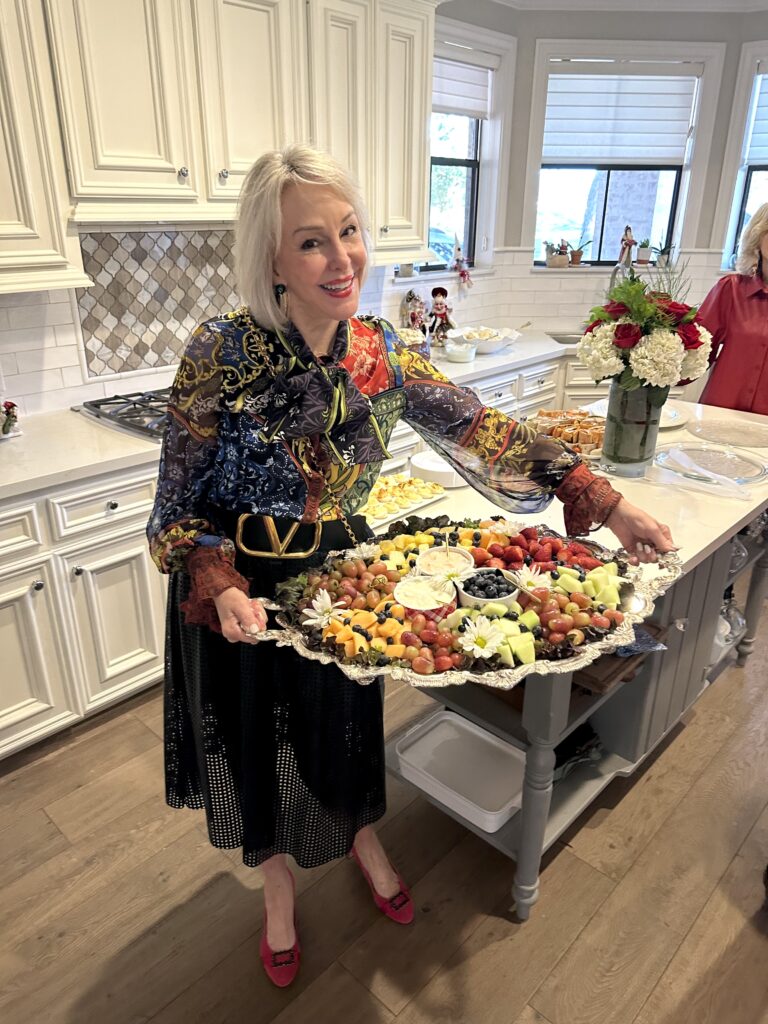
<point>279,293</point>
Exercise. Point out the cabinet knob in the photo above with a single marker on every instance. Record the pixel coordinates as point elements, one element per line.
<point>498,394</point>
<point>112,505</point>
<point>384,229</point>
<point>38,585</point>
<point>183,172</point>
<point>224,173</point>
<point>541,381</point>
<point>78,570</point>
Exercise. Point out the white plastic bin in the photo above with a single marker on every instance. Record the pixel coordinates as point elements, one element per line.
<point>464,767</point>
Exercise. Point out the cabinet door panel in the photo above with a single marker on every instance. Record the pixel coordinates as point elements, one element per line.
<point>117,603</point>
<point>403,58</point>
<point>120,66</point>
<point>35,252</point>
<point>34,697</point>
<point>250,58</point>
<point>341,39</point>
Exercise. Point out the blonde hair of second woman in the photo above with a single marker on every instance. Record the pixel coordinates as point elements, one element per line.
<point>749,259</point>
<point>259,220</point>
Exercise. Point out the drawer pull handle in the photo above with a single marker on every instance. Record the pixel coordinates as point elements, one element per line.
<point>384,229</point>
<point>224,173</point>
<point>112,505</point>
<point>681,624</point>
<point>78,570</point>
<point>38,585</point>
<point>541,381</point>
<point>183,172</point>
<point>497,394</point>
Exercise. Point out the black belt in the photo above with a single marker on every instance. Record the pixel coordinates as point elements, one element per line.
<point>260,536</point>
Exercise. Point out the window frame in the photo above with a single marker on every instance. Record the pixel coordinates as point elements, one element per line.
<point>692,185</point>
<point>678,168</point>
<point>474,165</point>
<point>748,170</point>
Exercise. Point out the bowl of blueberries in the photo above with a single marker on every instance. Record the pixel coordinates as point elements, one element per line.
<point>486,585</point>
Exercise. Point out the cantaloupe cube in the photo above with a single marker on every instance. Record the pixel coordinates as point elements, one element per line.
<point>379,644</point>
<point>395,650</point>
<point>344,634</point>
<point>363,618</point>
<point>390,627</point>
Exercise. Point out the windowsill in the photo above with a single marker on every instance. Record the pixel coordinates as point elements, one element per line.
<point>436,275</point>
<point>585,268</point>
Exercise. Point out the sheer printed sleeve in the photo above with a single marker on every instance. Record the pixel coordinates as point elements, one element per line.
<point>506,461</point>
<point>179,520</point>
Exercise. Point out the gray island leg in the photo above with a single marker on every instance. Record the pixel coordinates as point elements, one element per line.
<point>758,586</point>
<point>545,715</point>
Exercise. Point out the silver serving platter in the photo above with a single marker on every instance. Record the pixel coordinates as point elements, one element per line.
<point>644,585</point>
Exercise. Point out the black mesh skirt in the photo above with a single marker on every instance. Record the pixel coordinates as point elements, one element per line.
<point>285,755</point>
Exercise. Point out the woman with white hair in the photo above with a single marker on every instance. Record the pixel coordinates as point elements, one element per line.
<point>736,313</point>
<point>279,421</point>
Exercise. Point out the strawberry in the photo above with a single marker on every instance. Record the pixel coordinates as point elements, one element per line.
<point>533,547</point>
<point>530,533</point>
<point>578,549</point>
<point>587,562</point>
<point>496,550</point>
<point>544,553</point>
<point>480,555</point>
<point>557,544</point>
<point>545,566</point>
<point>519,541</point>
<point>519,565</point>
<point>496,563</point>
<point>513,553</point>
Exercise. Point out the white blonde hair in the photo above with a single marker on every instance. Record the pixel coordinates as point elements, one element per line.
<point>749,259</point>
<point>259,220</point>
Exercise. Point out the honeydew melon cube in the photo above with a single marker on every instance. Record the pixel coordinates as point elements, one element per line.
<point>493,608</point>
<point>505,656</point>
<point>508,627</point>
<point>530,619</point>
<point>589,588</point>
<point>611,568</point>
<point>515,607</point>
<point>568,570</point>
<point>454,619</point>
<point>609,596</point>
<point>570,585</point>
<point>523,648</point>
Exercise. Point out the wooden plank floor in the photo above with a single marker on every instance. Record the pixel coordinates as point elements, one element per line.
<point>115,909</point>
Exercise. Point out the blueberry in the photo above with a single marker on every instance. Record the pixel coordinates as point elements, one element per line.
<point>524,628</point>
<point>476,536</point>
<point>514,616</point>
<point>555,575</point>
<point>527,559</point>
<point>536,631</point>
<point>601,608</point>
<point>461,628</point>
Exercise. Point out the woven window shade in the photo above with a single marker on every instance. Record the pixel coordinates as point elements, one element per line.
<point>604,117</point>
<point>757,147</point>
<point>459,88</point>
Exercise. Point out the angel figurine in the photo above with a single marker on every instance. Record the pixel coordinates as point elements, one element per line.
<point>414,312</point>
<point>627,244</point>
<point>440,315</point>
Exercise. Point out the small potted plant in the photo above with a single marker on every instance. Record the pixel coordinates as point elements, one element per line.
<point>663,253</point>
<point>577,251</point>
<point>557,253</point>
<point>644,251</point>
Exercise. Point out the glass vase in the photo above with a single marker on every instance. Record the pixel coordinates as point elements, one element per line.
<point>631,429</point>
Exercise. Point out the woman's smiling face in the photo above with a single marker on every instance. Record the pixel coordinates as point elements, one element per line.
<point>321,256</point>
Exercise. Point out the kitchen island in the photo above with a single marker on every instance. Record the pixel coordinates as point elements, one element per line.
<point>633,715</point>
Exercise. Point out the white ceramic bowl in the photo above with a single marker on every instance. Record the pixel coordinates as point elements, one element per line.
<point>432,467</point>
<point>488,339</point>
<point>459,351</point>
<point>468,601</point>
<point>422,562</point>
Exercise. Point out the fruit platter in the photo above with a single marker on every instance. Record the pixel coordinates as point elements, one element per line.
<point>488,600</point>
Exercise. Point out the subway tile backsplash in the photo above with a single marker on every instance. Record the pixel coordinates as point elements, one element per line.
<point>152,288</point>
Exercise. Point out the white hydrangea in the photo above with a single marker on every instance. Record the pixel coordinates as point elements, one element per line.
<point>598,353</point>
<point>657,358</point>
<point>696,360</point>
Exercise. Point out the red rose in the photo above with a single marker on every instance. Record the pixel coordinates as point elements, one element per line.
<point>689,335</point>
<point>626,335</point>
<point>677,310</point>
<point>616,309</point>
<point>592,326</point>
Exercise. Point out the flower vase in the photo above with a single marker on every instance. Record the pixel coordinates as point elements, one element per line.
<point>631,429</point>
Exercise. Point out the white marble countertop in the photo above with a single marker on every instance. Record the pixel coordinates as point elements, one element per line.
<point>63,447</point>
<point>700,522</point>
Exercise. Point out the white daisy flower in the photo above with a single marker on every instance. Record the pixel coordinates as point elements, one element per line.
<point>530,576</point>
<point>322,611</point>
<point>365,551</point>
<point>481,638</point>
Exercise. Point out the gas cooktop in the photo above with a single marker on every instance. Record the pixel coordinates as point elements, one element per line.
<point>142,412</point>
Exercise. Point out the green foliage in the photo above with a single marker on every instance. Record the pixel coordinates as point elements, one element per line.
<point>289,592</point>
<point>645,244</point>
<point>640,309</point>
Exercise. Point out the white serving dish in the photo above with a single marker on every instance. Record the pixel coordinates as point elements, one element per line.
<point>454,549</point>
<point>464,767</point>
<point>459,351</point>
<point>432,467</point>
<point>468,601</point>
<point>485,345</point>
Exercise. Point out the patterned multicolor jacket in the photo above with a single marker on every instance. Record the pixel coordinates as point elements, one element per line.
<point>248,408</point>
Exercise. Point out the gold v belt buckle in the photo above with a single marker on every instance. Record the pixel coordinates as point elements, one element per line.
<point>278,547</point>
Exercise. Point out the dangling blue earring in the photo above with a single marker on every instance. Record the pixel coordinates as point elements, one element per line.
<point>279,292</point>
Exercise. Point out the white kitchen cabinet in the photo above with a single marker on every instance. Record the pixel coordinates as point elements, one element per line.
<point>82,606</point>
<point>37,251</point>
<point>36,697</point>
<point>250,57</point>
<point>123,79</point>
<point>115,601</point>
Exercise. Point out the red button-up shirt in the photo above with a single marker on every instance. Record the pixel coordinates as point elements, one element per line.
<point>736,313</point>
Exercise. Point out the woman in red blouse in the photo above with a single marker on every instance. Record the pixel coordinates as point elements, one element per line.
<point>736,313</point>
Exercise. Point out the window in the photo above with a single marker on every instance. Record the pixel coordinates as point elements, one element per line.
<point>460,98</point>
<point>755,156</point>
<point>615,146</point>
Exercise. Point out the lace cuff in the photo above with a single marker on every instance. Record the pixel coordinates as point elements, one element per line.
<point>588,501</point>
<point>212,572</point>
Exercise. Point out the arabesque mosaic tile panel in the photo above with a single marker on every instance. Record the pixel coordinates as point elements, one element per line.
<point>151,289</point>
